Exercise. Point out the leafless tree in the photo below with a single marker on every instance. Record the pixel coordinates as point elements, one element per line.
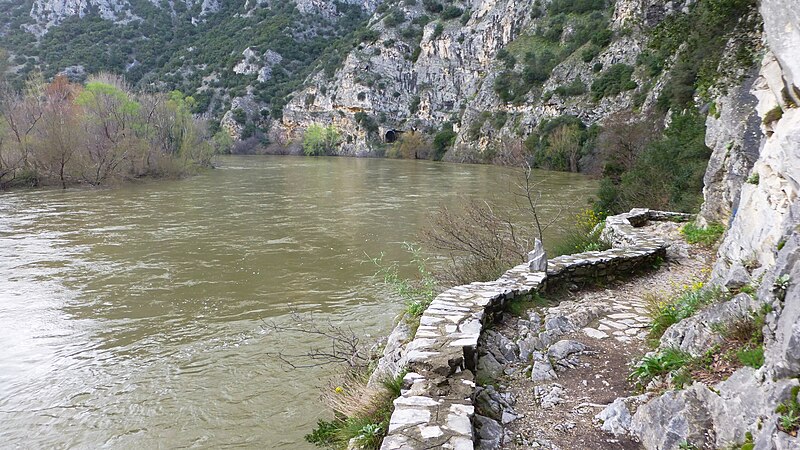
<point>530,194</point>
<point>59,134</point>
<point>624,136</point>
<point>335,344</point>
<point>21,113</point>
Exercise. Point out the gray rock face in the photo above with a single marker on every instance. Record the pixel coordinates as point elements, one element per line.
<point>734,138</point>
<point>451,78</point>
<point>713,419</point>
<point>737,278</point>
<point>697,334</point>
<point>673,418</point>
<point>781,19</point>
<point>763,232</point>
<point>782,358</point>
<point>392,361</point>
<point>49,13</point>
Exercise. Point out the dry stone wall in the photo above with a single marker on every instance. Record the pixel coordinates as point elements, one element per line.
<point>436,408</point>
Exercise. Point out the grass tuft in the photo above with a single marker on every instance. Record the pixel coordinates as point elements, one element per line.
<point>665,313</point>
<point>704,236</point>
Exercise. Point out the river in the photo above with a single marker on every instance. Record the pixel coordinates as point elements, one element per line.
<point>134,317</point>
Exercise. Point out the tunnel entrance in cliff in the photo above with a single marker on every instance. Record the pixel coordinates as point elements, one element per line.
<point>392,136</point>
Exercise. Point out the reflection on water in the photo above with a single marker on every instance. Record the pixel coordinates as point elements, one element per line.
<point>132,317</point>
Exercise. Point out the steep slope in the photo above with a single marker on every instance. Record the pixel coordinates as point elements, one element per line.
<point>759,258</point>
<point>498,71</point>
<point>212,50</point>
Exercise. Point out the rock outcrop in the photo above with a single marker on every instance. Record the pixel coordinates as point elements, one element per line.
<point>450,75</point>
<point>763,239</point>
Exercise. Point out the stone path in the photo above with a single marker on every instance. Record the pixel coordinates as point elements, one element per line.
<point>630,322</point>
<point>610,325</point>
<point>437,405</point>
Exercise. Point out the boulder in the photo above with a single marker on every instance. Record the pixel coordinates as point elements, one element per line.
<point>699,333</point>
<point>542,371</point>
<point>488,368</point>
<point>615,418</point>
<point>564,349</point>
<point>673,418</point>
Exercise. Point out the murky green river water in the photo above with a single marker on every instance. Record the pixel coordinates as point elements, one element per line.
<point>132,317</point>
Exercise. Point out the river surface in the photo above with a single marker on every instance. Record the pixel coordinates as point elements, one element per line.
<point>134,317</point>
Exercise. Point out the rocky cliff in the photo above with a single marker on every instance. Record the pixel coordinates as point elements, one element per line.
<point>756,183</point>
<point>494,69</point>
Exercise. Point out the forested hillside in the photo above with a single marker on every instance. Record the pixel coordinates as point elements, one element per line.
<point>189,46</point>
<point>621,89</point>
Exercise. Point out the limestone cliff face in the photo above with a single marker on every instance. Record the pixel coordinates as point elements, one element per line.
<point>49,13</point>
<point>451,77</point>
<point>762,245</point>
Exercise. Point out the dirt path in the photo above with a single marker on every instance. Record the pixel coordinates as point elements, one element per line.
<point>559,413</point>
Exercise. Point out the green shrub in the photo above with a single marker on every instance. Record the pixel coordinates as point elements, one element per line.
<point>518,306</point>
<point>443,140</point>
<point>752,357</point>
<point>324,435</point>
<point>705,236</point>
<point>367,122</point>
<point>395,18</point>
<point>437,31</point>
<point>499,119</point>
<point>614,80</point>
<point>773,115</point>
<point>560,142</point>
<point>319,140</point>
<point>418,292</point>
<point>651,62</point>
<point>575,6</point>
<point>789,410</point>
<point>452,12</point>
<point>582,236</point>
<point>432,6</point>
<point>575,87</point>
<point>590,52</point>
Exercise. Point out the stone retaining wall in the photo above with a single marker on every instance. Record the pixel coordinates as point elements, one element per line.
<point>436,409</point>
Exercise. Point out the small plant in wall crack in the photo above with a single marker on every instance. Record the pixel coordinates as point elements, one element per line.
<point>780,286</point>
<point>789,410</point>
